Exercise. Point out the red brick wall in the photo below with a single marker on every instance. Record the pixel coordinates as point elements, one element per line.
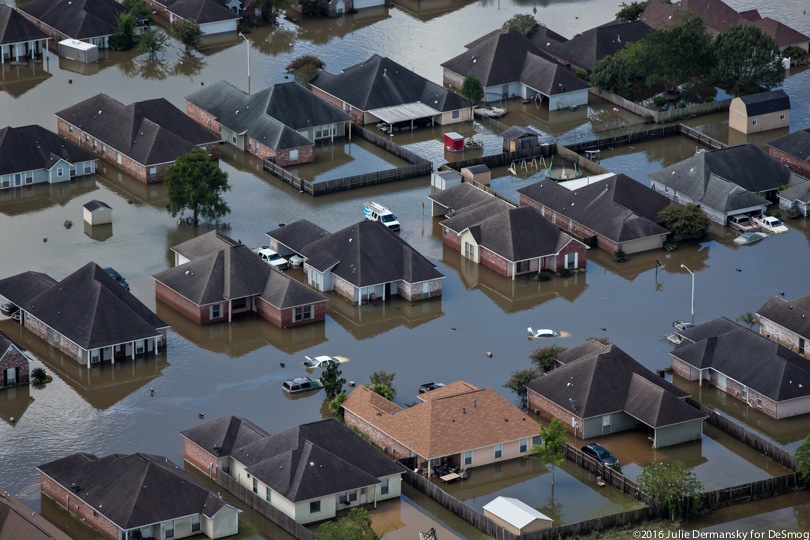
<point>548,409</point>
<point>305,155</point>
<point>377,437</point>
<point>492,261</point>
<point>203,117</point>
<point>199,458</point>
<point>15,359</point>
<point>796,165</point>
<point>570,249</point>
<point>78,508</point>
<point>356,113</point>
<point>40,329</point>
<point>451,239</point>
<point>180,304</point>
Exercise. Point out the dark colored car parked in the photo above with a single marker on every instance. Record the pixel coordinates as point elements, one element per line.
<point>599,453</point>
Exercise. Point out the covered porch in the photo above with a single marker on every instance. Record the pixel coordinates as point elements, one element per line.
<point>23,51</point>
<point>402,117</point>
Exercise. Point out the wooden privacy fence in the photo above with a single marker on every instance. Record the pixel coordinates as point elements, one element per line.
<point>582,528</point>
<point>457,507</point>
<point>662,117</point>
<point>742,434</point>
<point>295,181</point>
<point>388,145</point>
<point>702,138</point>
<point>749,492</point>
<point>610,476</point>
<point>263,507</point>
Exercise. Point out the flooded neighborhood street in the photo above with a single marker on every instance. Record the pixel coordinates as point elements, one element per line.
<point>476,330</point>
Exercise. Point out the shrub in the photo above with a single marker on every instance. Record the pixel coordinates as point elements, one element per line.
<point>565,272</point>
<point>659,101</point>
<point>681,104</point>
<point>543,276</point>
<point>620,256</point>
<point>670,245</point>
<point>582,74</point>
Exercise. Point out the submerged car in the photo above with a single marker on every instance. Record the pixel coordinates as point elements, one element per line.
<point>301,384</point>
<point>749,238</point>
<point>599,453</point>
<point>322,362</point>
<point>682,325</point>
<point>117,277</point>
<point>9,309</point>
<point>543,332</point>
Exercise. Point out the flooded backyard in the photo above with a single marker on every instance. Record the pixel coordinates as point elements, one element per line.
<point>236,368</point>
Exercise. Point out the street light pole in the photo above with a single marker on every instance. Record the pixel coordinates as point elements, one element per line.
<point>693,290</point>
<point>247,42</point>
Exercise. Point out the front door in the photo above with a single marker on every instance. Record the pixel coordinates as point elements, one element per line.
<point>10,376</point>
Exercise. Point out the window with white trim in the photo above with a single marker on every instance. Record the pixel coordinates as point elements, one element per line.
<point>468,457</point>
<point>524,445</point>
<point>302,313</point>
<point>195,523</point>
<point>216,311</point>
<point>498,451</point>
<point>385,486</point>
<point>294,155</point>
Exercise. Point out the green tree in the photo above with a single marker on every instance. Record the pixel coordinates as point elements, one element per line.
<point>314,7</point>
<point>632,11</point>
<point>153,42</point>
<point>746,60</point>
<point>336,405</point>
<point>124,37</point>
<point>188,33</point>
<point>473,90</point>
<point>671,485</point>
<point>551,451</point>
<point>684,221</point>
<point>333,381</point>
<point>675,55</point>
<point>272,9</point>
<point>518,381</point>
<point>305,67</point>
<point>802,456</point>
<point>523,23</point>
<point>614,73</point>
<point>139,8</point>
<point>381,382</point>
<point>355,526</point>
<point>39,375</point>
<point>196,183</point>
<point>543,357</point>
<point>748,318</point>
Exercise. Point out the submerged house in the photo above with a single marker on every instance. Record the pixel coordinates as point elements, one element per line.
<point>282,122</point>
<point>309,472</point>
<point>87,315</point>
<point>212,16</point>
<point>786,322</point>
<point>20,40</point>
<point>13,364</point>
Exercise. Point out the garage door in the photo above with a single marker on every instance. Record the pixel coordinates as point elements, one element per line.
<point>360,4</point>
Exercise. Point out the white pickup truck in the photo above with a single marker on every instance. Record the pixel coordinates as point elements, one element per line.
<point>742,223</point>
<point>376,212</point>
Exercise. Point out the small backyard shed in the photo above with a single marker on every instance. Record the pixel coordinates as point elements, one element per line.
<point>97,213</point>
<point>516,138</point>
<point>760,112</point>
<point>73,49</point>
<point>477,173</point>
<point>453,142</point>
<point>445,179</point>
<point>516,516</point>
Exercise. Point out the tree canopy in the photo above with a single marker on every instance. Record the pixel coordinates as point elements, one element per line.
<point>305,67</point>
<point>124,38</point>
<point>802,456</point>
<point>355,526</point>
<point>746,60</point>
<point>153,42</point>
<point>381,382</point>
<point>188,33</point>
<point>543,357</point>
<point>333,381</point>
<point>473,90</point>
<point>196,183</point>
<point>670,484</point>
<point>524,23</point>
<point>632,11</point>
<point>551,451</point>
<point>518,381</point>
<point>684,221</point>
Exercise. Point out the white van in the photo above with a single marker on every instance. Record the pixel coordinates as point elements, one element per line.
<point>272,258</point>
<point>376,212</point>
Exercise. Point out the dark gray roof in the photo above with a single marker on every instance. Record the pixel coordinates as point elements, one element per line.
<point>799,191</point>
<point>235,272</point>
<point>708,329</point>
<point>367,253</point>
<point>583,349</point>
<point>222,436</point>
<point>133,490</point>
<point>475,169</point>
<point>14,28</point>
<point>88,307</point>
<point>150,132</point>
<point>587,48</point>
<point>298,234</point>
<point>33,147</point>
<point>272,115</point>
<point>95,204</point>
<point>748,358</point>
<point>457,197</point>
<point>474,213</point>
<point>507,56</point>
<point>204,244</point>
<point>608,380</point>
<point>78,19</point>
<point>304,462</point>
<point>202,11</point>
<point>542,37</point>
<point>766,102</point>
<point>618,208</point>
<point>796,144</point>
<point>518,132</point>
<point>380,82</point>
<point>790,314</point>
<point>711,176</point>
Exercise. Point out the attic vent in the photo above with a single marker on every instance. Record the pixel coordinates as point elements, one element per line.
<point>385,72</point>
<point>475,403</point>
<point>464,410</point>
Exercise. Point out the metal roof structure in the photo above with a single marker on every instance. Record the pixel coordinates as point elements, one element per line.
<point>404,113</point>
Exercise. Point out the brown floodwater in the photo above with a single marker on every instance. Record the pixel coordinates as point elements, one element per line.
<point>235,369</point>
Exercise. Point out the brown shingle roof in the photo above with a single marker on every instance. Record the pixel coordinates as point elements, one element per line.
<point>451,420</point>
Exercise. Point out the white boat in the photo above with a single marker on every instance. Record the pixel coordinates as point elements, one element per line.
<point>770,224</point>
<point>489,112</point>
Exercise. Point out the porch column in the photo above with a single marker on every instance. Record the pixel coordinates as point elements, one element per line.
<point>230,311</point>
<point>89,355</point>
<point>2,54</point>
<point>132,354</point>
<point>332,129</point>
<point>157,345</point>
<point>112,355</point>
<point>16,52</point>
<point>32,49</point>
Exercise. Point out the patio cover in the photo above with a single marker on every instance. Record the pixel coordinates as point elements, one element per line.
<point>403,113</point>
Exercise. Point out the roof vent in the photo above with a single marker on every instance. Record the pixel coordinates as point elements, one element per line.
<point>385,72</point>
<point>464,410</point>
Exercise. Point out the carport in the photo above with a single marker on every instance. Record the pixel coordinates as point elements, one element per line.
<point>407,112</point>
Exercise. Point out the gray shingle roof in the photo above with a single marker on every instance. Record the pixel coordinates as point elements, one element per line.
<point>748,358</point>
<point>507,56</point>
<point>95,204</point>
<point>88,307</point>
<point>235,272</point>
<point>460,196</point>
<point>381,82</point>
<point>79,19</point>
<point>608,380</point>
<point>618,208</point>
<point>517,132</point>
<point>33,147</point>
<point>790,314</point>
<point>766,102</point>
<point>18,521</point>
<point>711,176</point>
<point>796,144</point>
<point>133,490</point>
<point>202,11</point>
<point>298,234</point>
<point>303,462</point>
<point>367,253</point>
<point>150,132</point>
<point>587,48</point>
<point>799,191</point>
<point>14,28</point>
<point>204,244</point>
<point>272,115</point>
<point>474,213</point>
